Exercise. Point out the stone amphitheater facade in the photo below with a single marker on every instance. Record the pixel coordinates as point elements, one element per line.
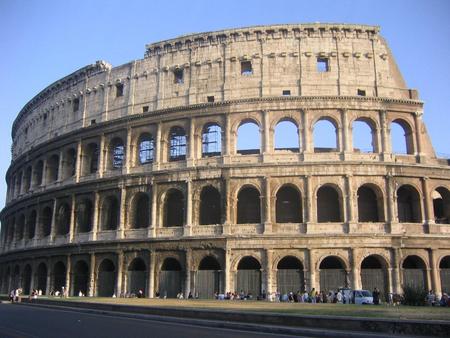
<point>129,178</point>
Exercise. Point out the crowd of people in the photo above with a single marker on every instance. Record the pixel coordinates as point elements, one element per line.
<point>432,299</point>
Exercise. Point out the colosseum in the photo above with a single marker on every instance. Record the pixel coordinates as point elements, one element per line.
<point>131,178</point>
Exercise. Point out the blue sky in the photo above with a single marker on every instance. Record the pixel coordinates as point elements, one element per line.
<point>42,41</point>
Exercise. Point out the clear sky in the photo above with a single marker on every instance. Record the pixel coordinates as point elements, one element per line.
<point>42,41</point>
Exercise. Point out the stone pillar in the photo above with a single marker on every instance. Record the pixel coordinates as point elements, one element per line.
<point>428,214</point>
<point>123,211</point>
<point>355,270</point>
<point>191,144</point>
<point>68,274</point>
<point>346,132</point>
<point>313,283</point>
<point>102,153</point>
<point>53,226</point>
<point>435,272</point>
<point>227,135</point>
<point>307,130</point>
<point>227,270</point>
<point>417,124</point>
<point>96,216</point>
<point>309,198</point>
<point>158,147</point>
<point>385,144</point>
<point>49,284</point>
<point>154,211</point>
<point>129,152</point>
<point>269,272</point>
<point>120,262</point>
<point>61,163</point>
<point>72,218</point>
<point>79,159</point>
<point>396,271</point>
<point>266,207</point>
<point>151,274</point>
<point>227,206</point>
<point>189,197</point>
<point>350,198</point>
<point>187,284</point>
<point>266,132</point>
<point>91,289</point>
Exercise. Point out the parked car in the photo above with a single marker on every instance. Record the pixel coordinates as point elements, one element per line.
<point>361,297</point>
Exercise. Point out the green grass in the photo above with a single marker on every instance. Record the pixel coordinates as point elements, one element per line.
<point>372,311</point>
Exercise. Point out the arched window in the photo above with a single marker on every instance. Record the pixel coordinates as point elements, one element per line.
<point>408,205</point>
<point>38,173</point>
<point>84,216</point>
<point>178,144</point>
<point>20,226</point>
<point>146,149</point>
<point>27,180</point>
<point>80,280</point>
<point>248,138</point>
<point>110,213</point>
<point>63,219</point>
<point>106,280</point>
<point>141,212</point>
<point>53,168</point>
<point>18,183</point>
<point>59,276</point>
<point>211,140</point>
<point>286,136</point>
<point>328,206</point>
<point>325,136</point>
<point>288,205</point>
<point>401,137</point>
<point>70,163</point>
<point>368,205</point>
<point>208,278</point>
<point>41,278</point>
<point>174,208</point>
<point>210,206</point>
<point>249,277</point>
<point>332,274</point>
<point>46,221</point>
<point>444,267</point>
<point>137,276</point>
<point>31,224</point>
<point>117,150</point>
<point>374,275</point>
<point>363,135</point>
<point>170,278</point>
<point>26,278</point>
<point>414,272</point>
<point>90,165</point>
<point>290,276</point>
<point>441,205</point>
<point>248,206</point>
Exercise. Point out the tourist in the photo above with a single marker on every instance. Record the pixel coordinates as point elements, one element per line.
<point>431,298</point>
<point>376,296</point>
<point>339,297</point>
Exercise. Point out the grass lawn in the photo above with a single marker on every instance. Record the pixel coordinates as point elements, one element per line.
<point>381,311</point>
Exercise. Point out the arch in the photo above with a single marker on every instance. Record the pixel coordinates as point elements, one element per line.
<point>286,136</point>
<point>177,144</point>
<point>210,206</point>
<point>211,140</point>
<point>20,227</point>
<point>370,204</point>
<point>31,224</point>
<point>140,211</point>
<point>248,206</point>
<point>106,280</point>
<point>248,138</point>
<point>52,168</point>
<point>117,153</point>
<point>69,163</point>
<point>288,205</point>
<point>59,276</point>
<point>414,272</point>
<point>46,221</point>
<point>110,213</point>
<point>290,275</point>
<point>325,135</point>
<point>364,136</point>
<point>84,215</point>
<point>441,205</point>
<point>328,205</point>
<point>63,219</point>
<point>38,173</point>
<point>374,274</point>
<point>170,278</point>
<point>137,276</point>
<point>444,267</point>
<point>80,279</point>
<point>174,208</point>
<point>27,179</point>
<point>408,205</point>
<point>332,274</point>
<point>402,140</point>
<point>248,278</point>
<point>41,278</point>
<point>146,148</point>
<point>91,158</point>
<point>208,278</point>
<point>26,279</point>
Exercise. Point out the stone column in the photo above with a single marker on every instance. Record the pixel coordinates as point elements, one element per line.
<point>91,289</point>
<point>435,273</point>
<point>120,262</point>
<point>356,270</point>
<point>266,132</point>
<point>188,226</point>
<point>266,207</point>
<point>428,214</point>
<point>151,274</point>
<point>102,153</point>
<point>187,284</point>
<point>349,200</point>
<point>385,144</point>
<point>307,130</point>
<point>152,228</point>
<point>309,207</point>
<point>269,271</point>
<point>396,271</point>
<point>123,212</point>
<point>346,132</point>
<point>79,159</point>
<point>53,226</point>
<point>158,145</point>
<point>61,163</point>
<point>68,274</point>
<point>191,144</point>
<point>96,216</point>
<point>49,284</point>
<point>417,124</point>
<point>227,138</point>
<point>129,152</point>
<point>313,274</point>
<point>227,272</point>
<point>72,218</point>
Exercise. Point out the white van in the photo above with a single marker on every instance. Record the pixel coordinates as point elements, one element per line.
<point>361,297</point>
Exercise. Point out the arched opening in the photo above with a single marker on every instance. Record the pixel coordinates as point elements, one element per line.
<point>174,208</point>
<point>80,279</point>
<point>208,278</point>
<point>110,213</point>
<point>18,184</point>
<point>328,205</point>
<point>70,163</point>
<point>211,140</point>
<point>288,205</point>
<point>84,216</point>
<point>38,173</point>
<point>137,277</point>
<point>414,272</point>
<point>248,276</point>
<point>16,278</point>
<point>20,227</point>
<point>146,151</point>
<point>63,219</point>
<point>26,279</point>
<point>408,205</point>
<point>170,278</point>
<point>248,138</point>
<point>46,221</point>
<point>444,267</point>
<point>178,144</point>
<point>290,277</point>
<point>27,180</point>
<point>286,136</point>
<point>363,135</point>
<point>141,211</point>
<point>401,137</point>
<point>248,206</point>
<point>117,151</point>
<point>325,136</point>
<point>59,276</point>
<point>52,168</point>
<point>441,205</point>
<point>91,159</point>
<point>374,275</point>
<point>368,205</point>
<point>106,280</point>
<point>332,274</point>
<point>41,278</point>
<point>210,206</point>
<point>31,224</point>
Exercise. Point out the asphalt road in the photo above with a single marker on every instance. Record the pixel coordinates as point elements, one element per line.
<point>24,321</point>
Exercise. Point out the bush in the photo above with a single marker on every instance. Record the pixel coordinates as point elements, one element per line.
<point>413,295</point>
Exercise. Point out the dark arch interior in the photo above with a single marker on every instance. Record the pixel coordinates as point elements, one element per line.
<point>445,263</point>
<point>367,205</point>
<point>413,262</point>
<point>371,262</point>
<point>46,221</point>
<point>408,205</point>
<point>290,262</point>
<point>210,206</point>
<point>331,262</point>
<point>107,265</point>
<point>84,216</point>
<point>288,205</point>
<point>249,263</point>
<point>174,208</point>
<point>248,208</point>
<point>209,263</point>
<point>137,265</point>
<point>63,219</point>
<point>141,211</point>
<point>110,217</point>
<point>328,208</point>
<point>171,264</point>
<point>441,206</point>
